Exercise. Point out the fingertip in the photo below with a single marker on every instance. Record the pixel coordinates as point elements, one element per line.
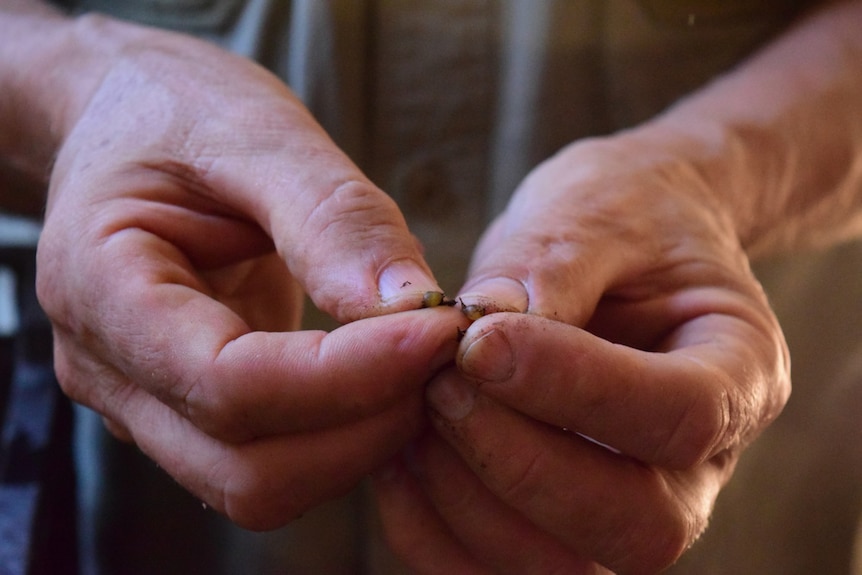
<point>429,337</point>
<point>450,397</point>
<point>493,295</point>
<point>487,356</point>
<point>348,245</point>
<point>402,285</point>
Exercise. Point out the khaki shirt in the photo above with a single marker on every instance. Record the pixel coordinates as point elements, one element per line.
<point>446,105</point>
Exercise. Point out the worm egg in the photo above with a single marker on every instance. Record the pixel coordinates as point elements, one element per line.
<point>432,298</point>
<point>472,311</point>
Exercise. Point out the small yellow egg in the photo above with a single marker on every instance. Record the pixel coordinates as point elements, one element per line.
<point>472,311</point>
<point>432,298</point>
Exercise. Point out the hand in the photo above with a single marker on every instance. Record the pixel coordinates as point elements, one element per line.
<point>595,430</point>
<point>192,202</point>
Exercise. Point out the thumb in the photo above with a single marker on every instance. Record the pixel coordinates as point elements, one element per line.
<point>342,238</point>
<point>348,244</point>
<point>528,264</point>
<point>555,249</point>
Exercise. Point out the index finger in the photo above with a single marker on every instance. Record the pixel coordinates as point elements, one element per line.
<point>720,380</point>
<point>154,324</point>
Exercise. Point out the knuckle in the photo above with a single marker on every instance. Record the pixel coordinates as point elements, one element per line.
<point>353,206</point>
<point>49,285</point>
<point>657,553</point>
<point>259,491</point>
<point>249,502</point>
<point>84,379</point>
<point>526,482</point>
<point>699,432</point>
<point>216,410</point>
<point>67,375</point>
<point>680,528</point>
<point>357,214</point>
<point>671,542</point>
<point>656,540</point>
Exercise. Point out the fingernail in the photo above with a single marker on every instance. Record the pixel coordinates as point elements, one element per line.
<point>451,397</point>
<point>405,278</point>
<point>488,358</point>
<point>495,295</point>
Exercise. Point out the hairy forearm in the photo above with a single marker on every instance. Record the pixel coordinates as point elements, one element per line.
<point>778,141</point>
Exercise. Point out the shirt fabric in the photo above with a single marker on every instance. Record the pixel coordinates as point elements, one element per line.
<point>447,105</point>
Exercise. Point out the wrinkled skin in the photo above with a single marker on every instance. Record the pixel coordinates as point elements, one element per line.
<point>626,357</point>
<point>187,216</point>
<point>643,327</point>
<point>644,330</point>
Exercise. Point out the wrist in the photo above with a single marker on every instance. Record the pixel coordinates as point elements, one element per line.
<point>49,66</point>
<point>27,139</point>
<point>777,141</point>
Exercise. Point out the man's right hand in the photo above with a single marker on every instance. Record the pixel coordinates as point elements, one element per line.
<point>192,201</point>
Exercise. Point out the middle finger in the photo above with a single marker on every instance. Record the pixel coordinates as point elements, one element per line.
<point>626,515</point>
